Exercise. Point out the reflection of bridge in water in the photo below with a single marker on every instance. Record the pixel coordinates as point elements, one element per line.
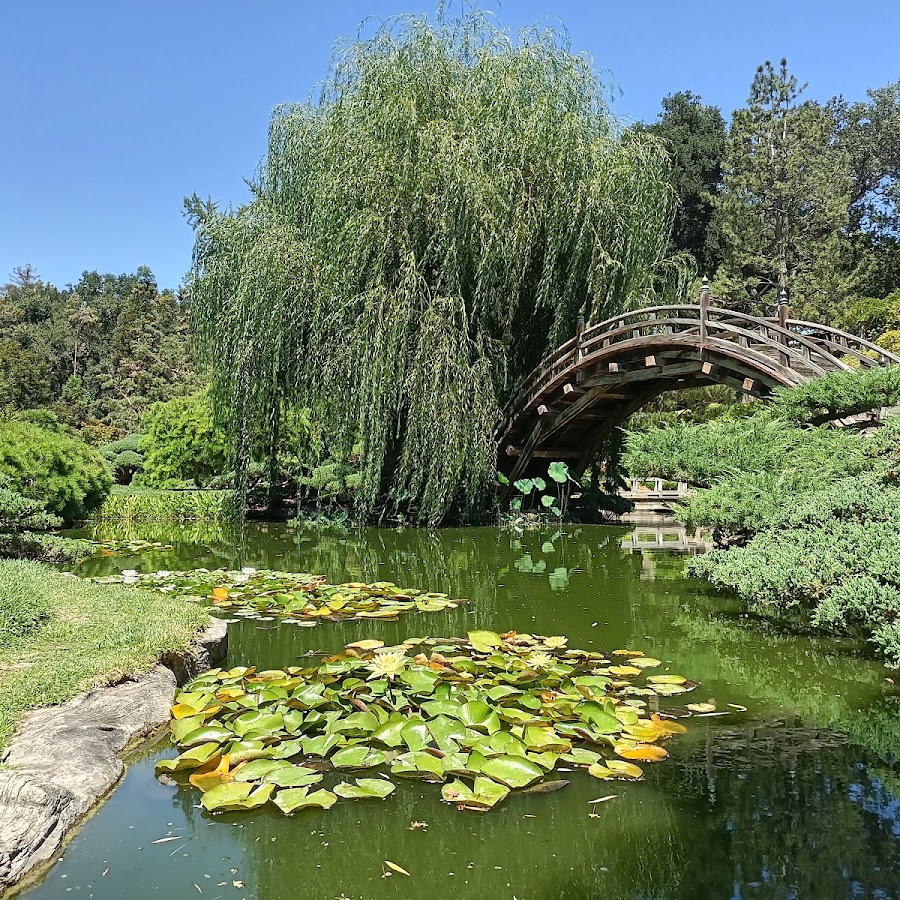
<point>672,538</point>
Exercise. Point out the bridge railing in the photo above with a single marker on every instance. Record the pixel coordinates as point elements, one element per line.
<point>793,347</point>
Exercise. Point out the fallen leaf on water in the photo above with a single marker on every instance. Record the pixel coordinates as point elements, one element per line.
<point>166,840</point>
<point>604,799</point>
<point>395,867</point>
<point>738,707</point>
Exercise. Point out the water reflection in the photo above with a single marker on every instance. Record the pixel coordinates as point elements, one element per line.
<point>796,798</point>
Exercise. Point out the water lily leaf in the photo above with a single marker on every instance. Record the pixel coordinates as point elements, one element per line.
<point>624,670</point>
<point>320,745</point>
<point>286,749</point>
<point>419,764</point>
<point>667,726</point>
<point>644,752</point>
<point>485,641</point>
<point>701,707</point>
<point>626,715</point>
<point>359,757</point>
<point>292,799</point>
<point>600,771</point>
<point>183,726</point>
<point>254,770</point>
<point>545,739</point>
<point>226,796</point>
<point>211,775</point>
<point>645,662</point>
<point>477,714</point>
<point>513,771</point>
<point>415,734</point>
<point>391,732</point>
<point>596,714</point>
<point>580,756</point>
<point>500,742</point>
<point>365,789</point>
<point>260,722</point>
<point>446,732</point>
<point>214,733</point>
<point>366,645</point>
<point>624,769</point>
<point>669,690</point>
<point>499,691</point>
<point>666,679</point>
<point>292,777</point>
<point>197,756</point>
<point>435,708</point>
<point>418,680</point>
<point>360,722</point>
<point>484,795</point>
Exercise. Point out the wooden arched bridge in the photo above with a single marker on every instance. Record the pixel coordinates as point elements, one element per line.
<point>578,394</point>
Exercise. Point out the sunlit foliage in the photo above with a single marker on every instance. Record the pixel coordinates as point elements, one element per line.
<point>420,237</point>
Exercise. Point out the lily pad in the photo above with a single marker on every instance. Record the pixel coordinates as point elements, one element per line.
<point>365,789</point>
<point>488,717</point>
<point>292,799</point>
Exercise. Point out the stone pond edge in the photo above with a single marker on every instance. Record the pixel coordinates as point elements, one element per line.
<point>63,760</point>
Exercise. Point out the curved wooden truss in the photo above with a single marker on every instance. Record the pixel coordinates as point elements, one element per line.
<point>579,393</point>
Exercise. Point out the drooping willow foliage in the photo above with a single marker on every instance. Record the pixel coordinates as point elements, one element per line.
<point>418,239</point>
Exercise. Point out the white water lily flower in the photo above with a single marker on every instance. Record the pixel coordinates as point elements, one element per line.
<point>557,642</point>
<point>387,664</point>
<point>540,660</point>
<point>248,570</point>
<point>129,573</point>
<point>240,579</point>
<point>163,573</point>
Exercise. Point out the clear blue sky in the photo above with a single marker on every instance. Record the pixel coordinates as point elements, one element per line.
<point>113,110</point>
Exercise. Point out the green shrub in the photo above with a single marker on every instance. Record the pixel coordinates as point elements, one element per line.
<point>815,510</point>
<point>125,457</point>
<point>170,506</point>
<point>68,477</point>
<point>700,454</point>
<point>182,442</point>
<point>838,395</point>
<point>845,578</point>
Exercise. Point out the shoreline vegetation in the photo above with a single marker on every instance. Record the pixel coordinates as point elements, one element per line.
<point>806,517</point>
<point>61,635</point>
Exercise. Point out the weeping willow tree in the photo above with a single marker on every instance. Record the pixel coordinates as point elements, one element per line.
<point>419,238</point>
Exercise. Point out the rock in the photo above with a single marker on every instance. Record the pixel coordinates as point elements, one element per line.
<point>63,759</point>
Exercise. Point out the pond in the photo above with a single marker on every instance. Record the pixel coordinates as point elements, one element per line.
<point>796,797</point>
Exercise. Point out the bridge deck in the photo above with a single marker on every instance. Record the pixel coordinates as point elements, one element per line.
<point>573,400</point>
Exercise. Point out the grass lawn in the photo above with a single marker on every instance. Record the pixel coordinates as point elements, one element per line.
<point>60,635</point>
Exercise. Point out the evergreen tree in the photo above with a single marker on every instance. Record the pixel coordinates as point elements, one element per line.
<point>785,198</point>
<point>694,136</point>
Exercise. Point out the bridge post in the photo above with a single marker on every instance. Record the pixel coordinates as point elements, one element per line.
<point>704,311</point>
<point>579,331</point>
<point>783,308</point>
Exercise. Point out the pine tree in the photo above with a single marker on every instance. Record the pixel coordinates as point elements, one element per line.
<point>785,199</point>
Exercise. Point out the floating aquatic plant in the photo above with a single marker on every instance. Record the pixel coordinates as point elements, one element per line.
<point>128,547</point>
<point>297,596</point>
<point>486,716</point>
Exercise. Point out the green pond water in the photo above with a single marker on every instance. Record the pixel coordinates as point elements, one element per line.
<point>798,797</point>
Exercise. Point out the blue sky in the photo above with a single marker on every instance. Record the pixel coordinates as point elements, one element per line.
<point>113,110</point>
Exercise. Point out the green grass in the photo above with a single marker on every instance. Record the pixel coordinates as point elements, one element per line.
<point>143,505</point>
<point>60,635</point>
